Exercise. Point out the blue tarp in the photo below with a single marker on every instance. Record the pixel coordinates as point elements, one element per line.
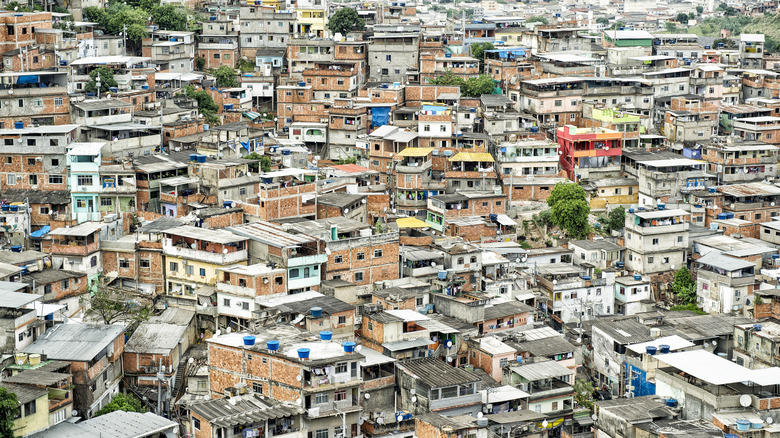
<point>434,108</point>
<point>42,232</point>
<point>380,115</point>
<point>28,79</point>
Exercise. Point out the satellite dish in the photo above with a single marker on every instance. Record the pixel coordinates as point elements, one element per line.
<point>368,396</point>
<point>745,400</point>
<point>327,251</point>
<point>400,418</point>
<point>594,417</point>
<point>412,391</point>
<point>298,401</point>
<point>73,413</point>
<point>217,333</point>
<point>449,358</point>
<point>545,424</point>
<point>298,377</point>
<point>229,329</point>
<point>480,415</point>
<point>769,420</point>
<point>714,343</point>
<point>191,360</point>
<point>414,399</point>
<point>224,251</point>
<point>706,344</point>
<point>433,264</point>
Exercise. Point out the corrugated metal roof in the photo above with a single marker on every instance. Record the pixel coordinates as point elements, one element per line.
<point>155,338</point>
<point>243,410</point>
<point>75,342</point>
<point>214,236</point>
<point>473,156</point>
<point>271,234</point>
<point>749,189</point>
<point>436,373</point>
<point>415,152</point>
<point>548,369</point>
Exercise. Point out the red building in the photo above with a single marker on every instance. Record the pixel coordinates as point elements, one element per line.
<point>588,152</point>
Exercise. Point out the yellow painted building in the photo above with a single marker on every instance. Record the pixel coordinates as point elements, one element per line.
<point>612,191</point>
<point>33,413</point>
<point>311,21</point>
<point>186,275</point>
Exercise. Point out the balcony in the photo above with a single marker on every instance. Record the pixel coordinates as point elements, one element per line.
<point>316,259</point>
<point>462,400</point>
<point>410,167</point>
<point>204,256</point>
<point>661,229</point>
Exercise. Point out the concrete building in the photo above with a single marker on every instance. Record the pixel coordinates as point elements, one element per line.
<point>656,240</point>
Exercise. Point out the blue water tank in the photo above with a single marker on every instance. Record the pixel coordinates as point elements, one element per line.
<point>722,216</point>
<point>18,125</point>
<point>661,206</point>
<point>16,248</point>
<point>272,345</point>
<point>586,277</point>
<point>631,210</point>
<point>637,277</point>
<point>249,340</point>
<point>712,189</point>
<point>620,264</point>
<point>664,349</point>
<point>756,327</point>
<point>303,353</point>
<point>651,350</point>
<point>729,215</point>
<point>672,403</point>
<point>442,275</point>
<point>316,312</point>
<point>201,158</point>
<point>534,129</point>
<point>493,217</point>
<point>193,157</point>
<point>349,347</point>
<point>326,335</point>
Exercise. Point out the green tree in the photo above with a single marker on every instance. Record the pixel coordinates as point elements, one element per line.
<point>684,287</point>
<point>226,77</point>
<point>118,15</point>
<point>9,406</point>
<point>617,219</point>
<point>617,25</point>
<point>123,402</point>
<point>106,80</point>
<point>583,393</point>
<point>682,18</point>
<point>537,19</point>
<point>206,105</point>
<point>264,164</point>
<point>112,306</point>
<point>699,9</point>
<point>478,51</point>
<point>200,62</point>
<point>602,20</point>
<point>670,27</point>
<point>170,17</point>
<point>478,86</point>
<point>447,79</point>
<point>570,209</point>
<point>245,66</point>
<point>344,21</point>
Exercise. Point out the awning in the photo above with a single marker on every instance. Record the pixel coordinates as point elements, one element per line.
<point>411,222</point>
<point>28,79</point>
<point>42,232</point>
<point>251,115</point>
<point>506,221</point>
<point>406,345</point>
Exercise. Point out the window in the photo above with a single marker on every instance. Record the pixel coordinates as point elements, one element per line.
<point>202,272</point>
<point>443,128</point>
<point>338,259</point>
<point>173,266</point>
<point>361,256</point>
<point>37,102</point>
<point>145,263</point>
<point>226,302</point>
<point>377,253</point>
<point>257,387</point>
<point>279,281</point>
<point>11,179</point>
<point>93,261</point>
<point>196,423</point>
<point>342,367</point>
<point>43,210</point>
<point>650,259</point>
<point>124,263</point>
<point>358,276</point>
<point>321,397</point>
<point>388,57</point>
<point>33,180</point>
<point>29,408</point>
<point>244,306</point>
<point>106,202</point>
<point>655,241</point>
<point>450,392</point>
<point>322,433</point>
<point>558,103</point>
<point>679,239</point>
<point>31,161</point>
<point>84,180</point>
<point>555,406</point>
<point>294,273</point>
<point>189,269</point>
<point>666,260</point>
<point>342,319</point>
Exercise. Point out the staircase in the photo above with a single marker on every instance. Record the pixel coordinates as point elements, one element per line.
<point>180,374</point>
